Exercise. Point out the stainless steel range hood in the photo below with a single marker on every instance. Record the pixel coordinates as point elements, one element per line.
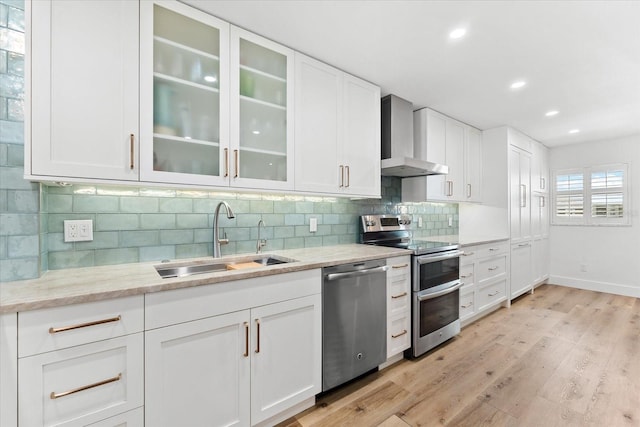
<point>397,142</point>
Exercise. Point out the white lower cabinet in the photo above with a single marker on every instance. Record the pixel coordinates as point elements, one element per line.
<point>133,418</point>
<point>521,269</point>
<point>8,369</point>
<point>398,305</point>
<point>484,272</point>
<point>239,368</point>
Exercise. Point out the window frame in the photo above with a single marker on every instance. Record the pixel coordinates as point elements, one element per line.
<point>587,218</point>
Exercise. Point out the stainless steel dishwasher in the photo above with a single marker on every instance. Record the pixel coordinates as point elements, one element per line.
<point>354,320</point>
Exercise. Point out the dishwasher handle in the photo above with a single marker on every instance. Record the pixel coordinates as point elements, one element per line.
<point>356,273</point>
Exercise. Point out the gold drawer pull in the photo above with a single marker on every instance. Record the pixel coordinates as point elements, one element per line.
<point>53,330</point>
<point>55,395</point>
<point>466,276</point>
<point>404,331</point>
<point>468,305</point>
<point>131,152</point>
<point>246,339</point>
<point>467,253</point>
<point>493,268</point>
<point>404,294</point>
<point>493,294</point>
<point>400,266</point>
<point>258,338</point>
<point>494,249</point>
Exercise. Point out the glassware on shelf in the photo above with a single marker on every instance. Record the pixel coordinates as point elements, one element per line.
<point>162,104</point>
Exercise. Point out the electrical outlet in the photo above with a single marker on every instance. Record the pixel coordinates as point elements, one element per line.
<point>450,221</point>
<point>78,230</point>
<point>419,222</point>
<point>583,268</point>
<point>313,225</point>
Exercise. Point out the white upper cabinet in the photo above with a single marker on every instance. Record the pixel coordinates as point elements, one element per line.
<point>520,198</point>
<point>441,139</point>
<point>261,151</point>
<point>83,96</point>
<point>184,75</point>
<point>540,168</point>
<point>337,131</point>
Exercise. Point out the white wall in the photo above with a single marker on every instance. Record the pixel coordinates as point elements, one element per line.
<point>611,254</point>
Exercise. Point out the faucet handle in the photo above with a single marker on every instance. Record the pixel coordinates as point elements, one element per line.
<point>225,240</point>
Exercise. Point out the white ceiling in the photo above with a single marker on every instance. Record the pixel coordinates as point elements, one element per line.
<point>581,58</point>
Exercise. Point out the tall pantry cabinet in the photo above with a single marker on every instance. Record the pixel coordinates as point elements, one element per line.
<point>522,163</point>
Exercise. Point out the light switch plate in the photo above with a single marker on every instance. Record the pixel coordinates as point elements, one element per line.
<point>80,230</point>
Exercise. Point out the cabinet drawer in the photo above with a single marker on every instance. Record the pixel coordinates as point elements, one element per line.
<point>491,294</point>
<point>56,328</point>
<point>467,304</point>
<point>81,385</point>
<point>400,268</point>
<point>133,418</point>
<point>469,255</point>
<point>492,249</point>
<point>398,334</point>
<point>399,301</point>
<point>467,275</point>
<point>491,268</point>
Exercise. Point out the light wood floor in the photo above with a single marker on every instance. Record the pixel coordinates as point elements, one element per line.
<point>559,357</point>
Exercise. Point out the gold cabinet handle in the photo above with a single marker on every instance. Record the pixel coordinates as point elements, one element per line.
<point>543,182</point>
<point>493,294</point>
<point>469,191</point>
<point>404,331</point>
<point>258,332</point>
<point>467,253</point>
<point>346,168</point>
<point>53,330</point>
<point>226,162</point>
<point>493,268</point>
<point>542,202</point>
<point>449,188</point>
<point>467,306</point>
<point>341,176</point>
<point>235,154</point>
<point>493,249</point>
<point>246,339</point>
<point>131,153</point>
<point>466,276</point>
<point>55,395</point>
<point>400,266</point>
<point>404,294</point>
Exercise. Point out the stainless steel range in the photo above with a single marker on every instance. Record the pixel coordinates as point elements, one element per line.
<point>435,279</point>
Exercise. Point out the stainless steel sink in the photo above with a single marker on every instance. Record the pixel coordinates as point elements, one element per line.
<point>167,271</point>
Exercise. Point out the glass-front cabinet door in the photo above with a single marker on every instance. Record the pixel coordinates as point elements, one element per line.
<point>261,112</point>
<point>184,95</point>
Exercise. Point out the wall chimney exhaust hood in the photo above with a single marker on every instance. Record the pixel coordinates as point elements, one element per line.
<point>397,142</point>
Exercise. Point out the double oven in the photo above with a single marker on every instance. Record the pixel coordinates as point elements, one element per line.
<point>435,279</point>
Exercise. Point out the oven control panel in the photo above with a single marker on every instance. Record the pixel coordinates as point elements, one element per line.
<point>372,223</point>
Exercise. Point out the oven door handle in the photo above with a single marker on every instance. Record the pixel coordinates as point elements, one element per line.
<point>356,273</point>
<point>450,289</point>
<point>425,259</point>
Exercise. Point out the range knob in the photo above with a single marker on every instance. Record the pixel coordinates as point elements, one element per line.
<point>371,223</point>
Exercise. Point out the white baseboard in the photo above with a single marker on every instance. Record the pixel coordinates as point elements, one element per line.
<point>590,285</point>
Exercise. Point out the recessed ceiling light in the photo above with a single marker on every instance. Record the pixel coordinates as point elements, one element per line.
<point>551,113</point>
<point>518,84</point>
<point>574,131</point>
<point>457,33</point>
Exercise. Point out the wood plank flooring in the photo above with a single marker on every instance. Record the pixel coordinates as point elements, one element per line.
<point>558,357</point>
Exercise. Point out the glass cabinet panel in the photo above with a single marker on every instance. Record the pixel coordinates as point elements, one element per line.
<point>263,113</point>
<point>186,94</point>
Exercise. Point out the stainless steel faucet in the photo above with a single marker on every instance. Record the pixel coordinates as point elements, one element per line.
<point>217,241</point>
<point>261,242</point>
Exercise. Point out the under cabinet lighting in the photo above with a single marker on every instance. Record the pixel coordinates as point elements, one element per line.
<point>518,84</point>
<point>574,131</point>
<point>457,33</point>
<point>551,113</point>
<point>255,132</point>
<point>210,79</point>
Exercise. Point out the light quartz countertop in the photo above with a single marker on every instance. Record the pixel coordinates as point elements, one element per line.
<point>79,285</point>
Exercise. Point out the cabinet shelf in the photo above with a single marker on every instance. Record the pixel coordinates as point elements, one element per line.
<point>186,140</point>
<point>186,48</point>
<point>264,103</point>
<point>185,82</point>
<point>261,151</point>
<point>263,73</point>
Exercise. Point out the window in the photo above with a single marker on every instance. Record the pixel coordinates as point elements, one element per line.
<point>595,195</point>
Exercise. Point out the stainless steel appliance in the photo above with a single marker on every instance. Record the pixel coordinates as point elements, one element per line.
<point>354,320</point>
<point>435,279</point>
<point>397,142</point>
